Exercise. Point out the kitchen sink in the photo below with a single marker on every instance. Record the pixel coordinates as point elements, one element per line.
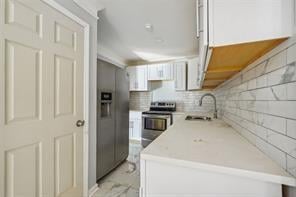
<point>206,118</point>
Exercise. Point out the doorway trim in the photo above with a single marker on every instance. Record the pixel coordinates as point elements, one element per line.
<point>86,65</point>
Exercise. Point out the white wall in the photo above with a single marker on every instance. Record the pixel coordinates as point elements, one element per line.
<point>70,5</point>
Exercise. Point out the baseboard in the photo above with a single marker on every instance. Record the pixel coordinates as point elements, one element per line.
<point>93,190</point>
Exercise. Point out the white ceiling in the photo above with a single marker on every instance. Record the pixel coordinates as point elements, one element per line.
<point>121,29</point>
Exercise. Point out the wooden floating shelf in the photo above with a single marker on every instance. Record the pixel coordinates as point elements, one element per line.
<point>226,61</point>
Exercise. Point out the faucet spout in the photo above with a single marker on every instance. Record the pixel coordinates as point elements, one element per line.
<point>200,102</point>
<point>215,103</point>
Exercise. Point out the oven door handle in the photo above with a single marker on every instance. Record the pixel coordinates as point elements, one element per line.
<point>155,116</point>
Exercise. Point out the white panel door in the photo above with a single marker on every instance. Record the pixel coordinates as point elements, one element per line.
<point>41,98</point>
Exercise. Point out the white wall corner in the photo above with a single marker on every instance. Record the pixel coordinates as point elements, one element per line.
<point>91,6</point>
<point>109,56</point>
<point>93,190</point>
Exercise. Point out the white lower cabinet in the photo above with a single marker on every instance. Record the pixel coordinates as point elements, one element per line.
<point>135,125</point>
<point>170,178</point>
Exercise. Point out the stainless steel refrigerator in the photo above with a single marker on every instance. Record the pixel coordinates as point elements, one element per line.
<point>112,117</point>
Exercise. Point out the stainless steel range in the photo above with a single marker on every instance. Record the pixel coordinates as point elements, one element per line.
<point>156,120</point>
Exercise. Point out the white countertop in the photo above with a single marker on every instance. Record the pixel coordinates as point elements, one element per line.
<point>214,146</point>
<point>137,111</point>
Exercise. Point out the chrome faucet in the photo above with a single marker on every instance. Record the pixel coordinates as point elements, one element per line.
<point>215,103</point>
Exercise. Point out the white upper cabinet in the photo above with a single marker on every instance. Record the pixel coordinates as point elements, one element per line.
<point>180,76</point>
<point>203,32</point>
<point>193,82</point>
<point>252,27</point>
<point>224,23</point>
<point>168,71</point>
<point>240,21</point>
<point>154,72</point>
<point>138,78</point>
<point>160,72</point>
<point>197,17</point>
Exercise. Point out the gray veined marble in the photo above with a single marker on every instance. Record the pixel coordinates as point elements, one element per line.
<point>265,67</point>
<point>289,74</point>
<point>124,181</point>
<point>274,94</point>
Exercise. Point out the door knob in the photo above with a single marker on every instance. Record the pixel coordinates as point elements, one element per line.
<point>80,123</point>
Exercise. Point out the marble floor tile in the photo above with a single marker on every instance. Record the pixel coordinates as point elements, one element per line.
<point>124,181</point>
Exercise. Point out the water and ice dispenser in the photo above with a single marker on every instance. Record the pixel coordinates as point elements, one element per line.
<point>106,102</point>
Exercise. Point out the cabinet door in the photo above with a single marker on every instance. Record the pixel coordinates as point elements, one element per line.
<point>197,19</point>
<point>132,78</point>
<point>167,72</point>
<point>141,78</point>
<point>200,16</point>
<point>131,128</point>
<point>138,78</point>
<point>180,76</point>
<point>261,19</point>
<point>138,129</point>
<point>203,31</point>
<point>193,78</point>
<point>154,72</point>
<point>160,72</point>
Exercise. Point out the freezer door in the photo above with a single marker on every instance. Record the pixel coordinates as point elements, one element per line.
<point>105,125</point>
<point>122,116</point>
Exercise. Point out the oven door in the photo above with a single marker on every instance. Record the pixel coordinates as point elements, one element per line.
<point>153,126</point>
<point>156,123</point>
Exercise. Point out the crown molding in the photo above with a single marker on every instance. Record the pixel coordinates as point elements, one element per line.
<point>91,7</point>
<point>109,56</point>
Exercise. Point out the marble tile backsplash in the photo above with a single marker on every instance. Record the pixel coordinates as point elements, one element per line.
<point>187,101</point>
<point>260,103</point>
<point>140,100</point>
